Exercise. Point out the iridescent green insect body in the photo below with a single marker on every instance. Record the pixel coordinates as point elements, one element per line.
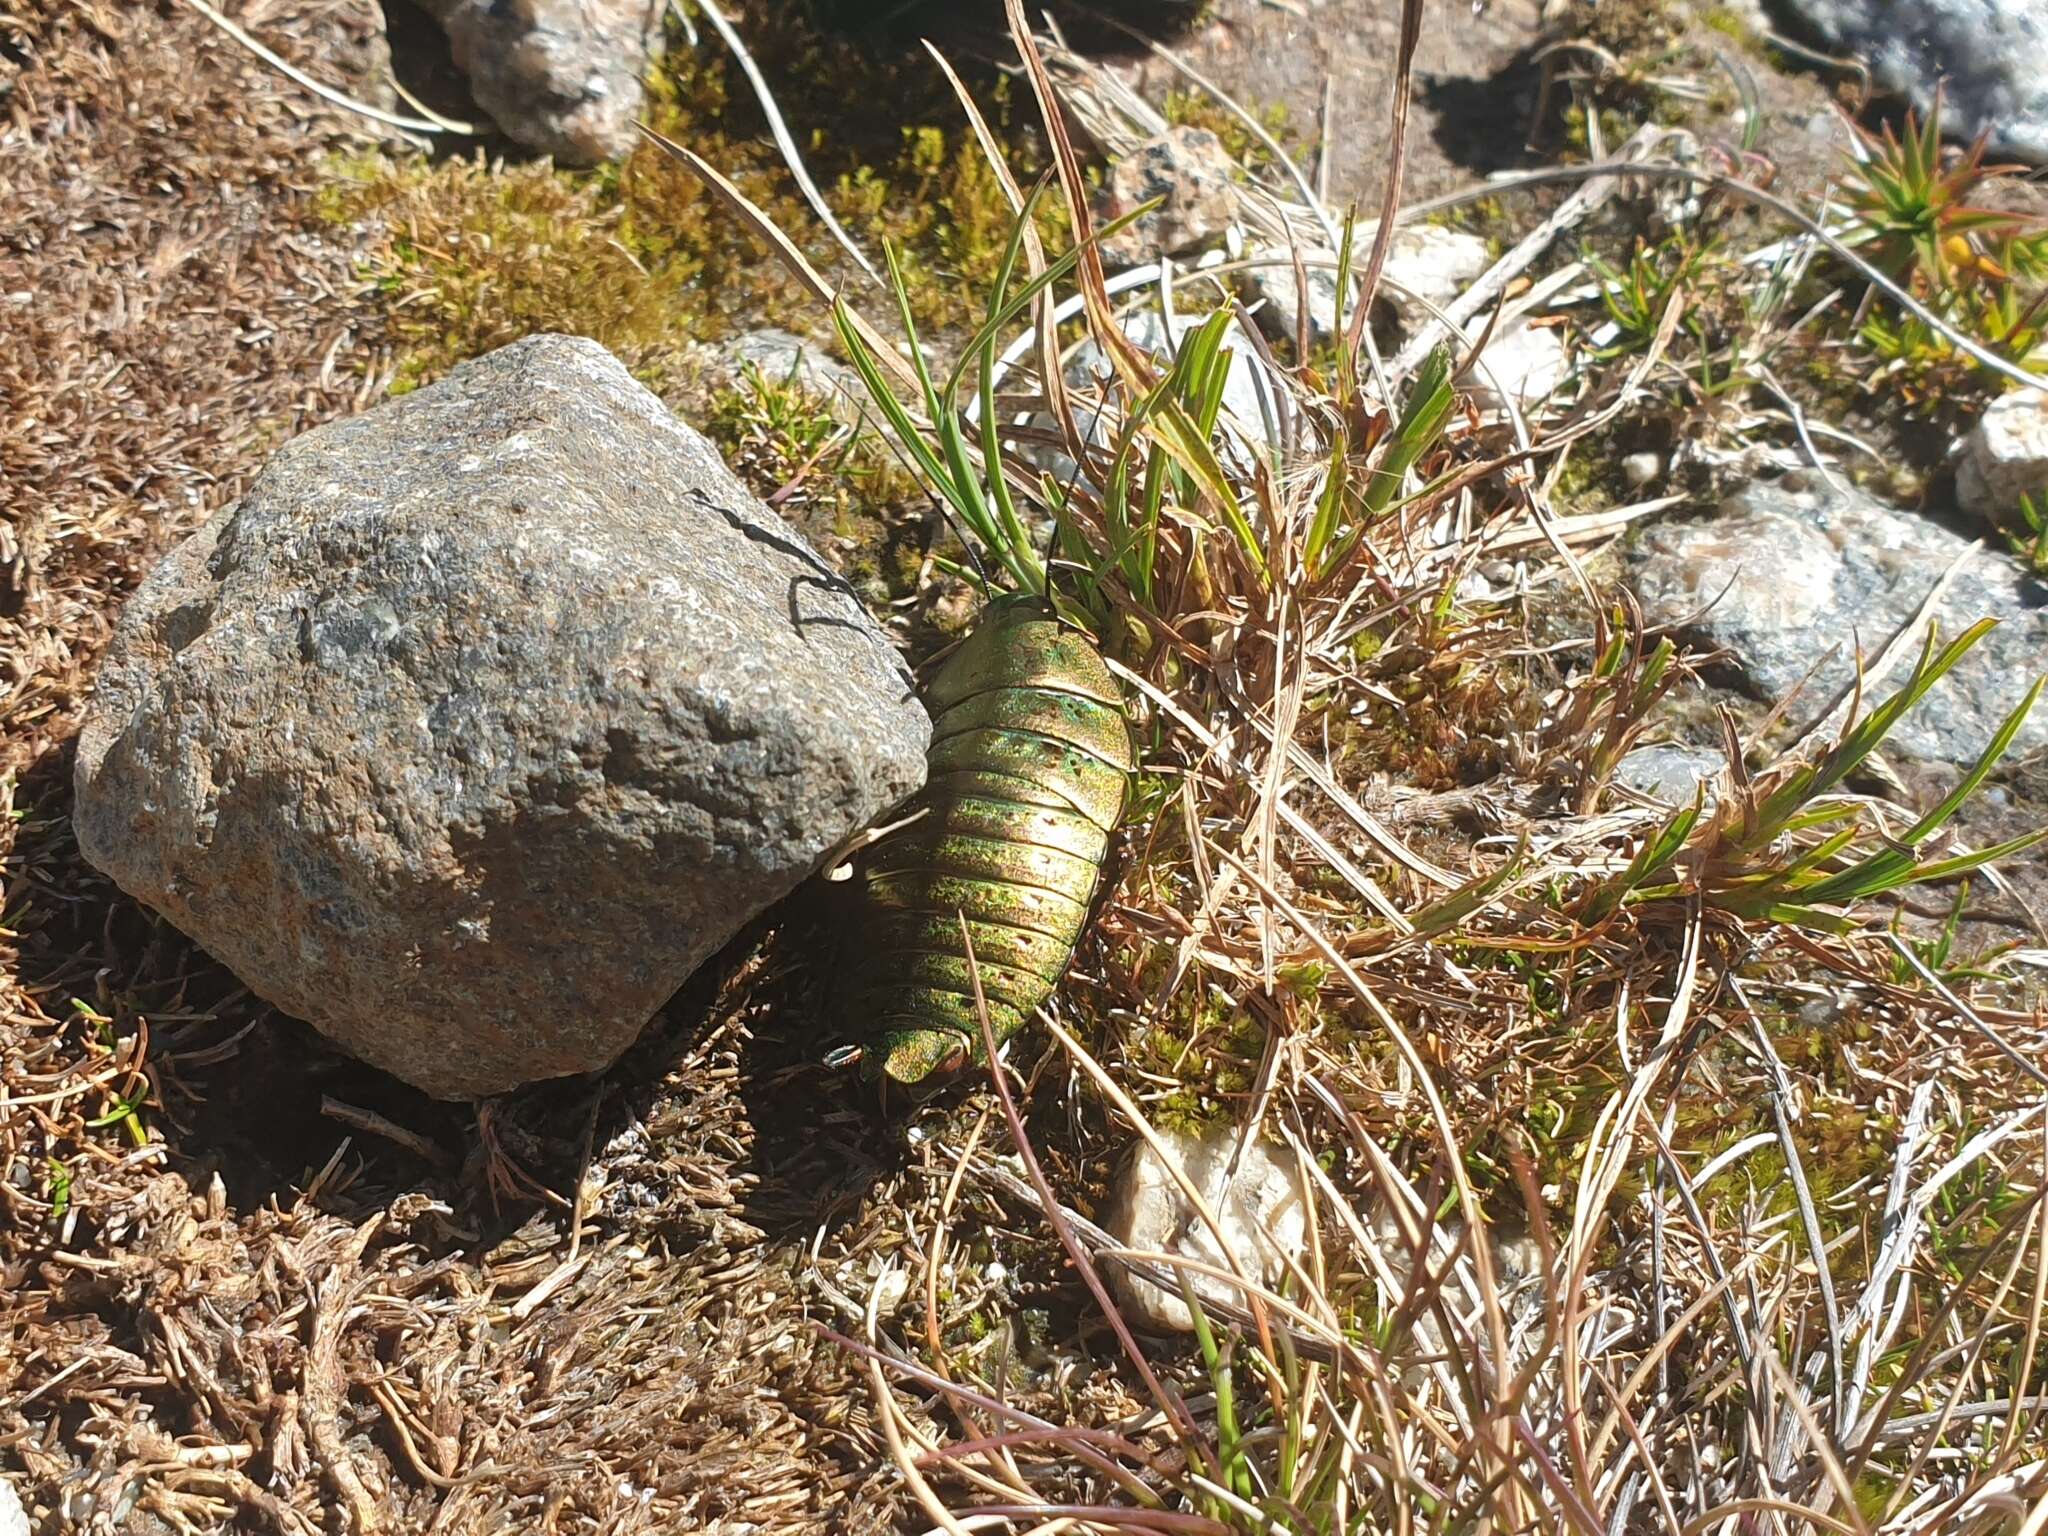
<point>1029,766</point>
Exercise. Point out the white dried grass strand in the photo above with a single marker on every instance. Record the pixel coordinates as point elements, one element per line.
<point>300,77</point>
<point>783,141</point>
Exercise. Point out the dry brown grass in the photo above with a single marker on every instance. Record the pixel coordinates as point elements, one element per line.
<point>229,1298</point>
<point>167,317</point>
<point>1642,1202</point>
<point>249,1285</point>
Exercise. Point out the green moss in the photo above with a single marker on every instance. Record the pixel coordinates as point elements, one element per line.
<point>640,256</point>
<point>1487,217</point>
<point>1729,24</point>
<point>1197,109</point>
<point>1578,137</point>
<point>1205,1042</point>
<point>475,256</point>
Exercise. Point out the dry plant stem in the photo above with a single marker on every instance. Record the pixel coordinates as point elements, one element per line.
<point>1965,1011</point>
<point>1189,1192</point>
<point>780,132</point>
<point>1034,1429</point>
<point>1311,1337</point>
<point>326,1383</point>
<point>1315,202</point>
<point>2027,1216</point>
<point>1388,844</point>
<point>792,257</point>
<point>906,1464</point>
<point>1124,354</point>
<point>936,1250</point>
<point>1439,1112</point>
<point>1795,1398</point>
<point>2036,1312</point>
<point>1044,333</point>
<point>444,123</point>
<point>1735,187</point>
<point>1655,1360</point>
<point>1361,882</point>
<point>1168,1400</point>
<point>1780,1097</point>
<point>374,1124</point>
<point>1390,203</point>
<point>1900,1235</point>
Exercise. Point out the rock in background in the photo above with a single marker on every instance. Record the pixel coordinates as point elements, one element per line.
<point>1522,364</point>
<point>1988,57</point>
<point>1193,175</point>
<point>1672,773</point>
<point>485,718</point>
<point>558,76</point>
<point>1779,576</point>
<point>782,357</point>
<point>2005,458</point>
<point>1427,264</point>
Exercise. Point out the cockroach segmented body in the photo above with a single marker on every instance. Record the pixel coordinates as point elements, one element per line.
<point>1029,767</point>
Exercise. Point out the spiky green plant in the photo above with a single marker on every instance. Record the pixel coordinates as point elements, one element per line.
<point>1913,213</point>
<point>1788,849</point>
<point>2030,540</point>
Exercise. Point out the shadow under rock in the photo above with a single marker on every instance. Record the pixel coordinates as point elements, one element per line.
<point>239,1091</point>
<point>1485,125</point>
<point>724,1110</point>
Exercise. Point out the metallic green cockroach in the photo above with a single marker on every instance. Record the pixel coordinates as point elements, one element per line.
<point>1029,765</point>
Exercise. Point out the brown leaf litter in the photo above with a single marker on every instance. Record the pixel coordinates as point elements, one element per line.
<point>234,1293</point>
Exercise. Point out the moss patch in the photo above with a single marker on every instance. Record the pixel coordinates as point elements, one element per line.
<point>640,257</point>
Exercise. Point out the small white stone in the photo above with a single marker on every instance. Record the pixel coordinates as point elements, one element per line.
<point>1427,262</point>
<point>1525,364</point>
<point>1262,1213</point>
<point>2005,457</point>
<point>1639,469</point>
<point>13,1518</point>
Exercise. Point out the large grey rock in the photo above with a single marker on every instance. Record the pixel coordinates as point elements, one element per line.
<point>1778,576</point>
<point>1989,57</point>
<point>485,718</point>
<point>559,76</point>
